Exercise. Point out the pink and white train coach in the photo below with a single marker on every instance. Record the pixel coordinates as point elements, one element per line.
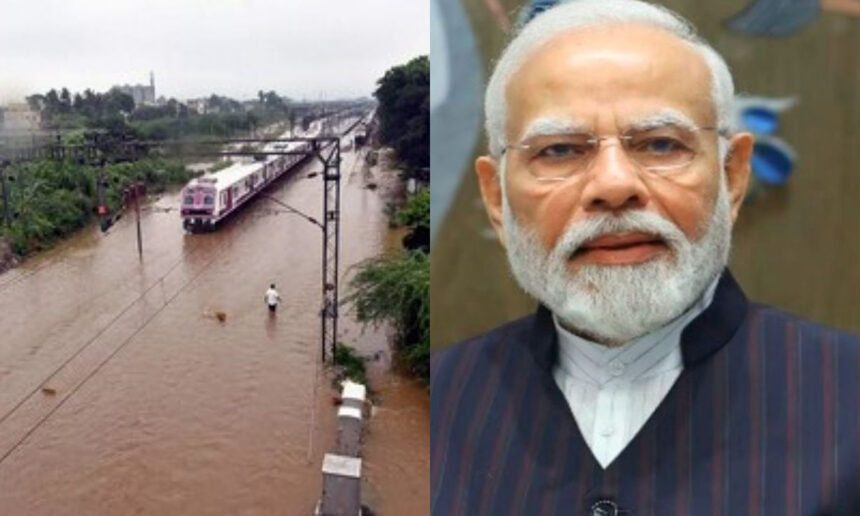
<point>210,198</point>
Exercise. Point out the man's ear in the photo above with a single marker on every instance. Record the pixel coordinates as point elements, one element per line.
<point>489,180</point>
<point>737,169</point>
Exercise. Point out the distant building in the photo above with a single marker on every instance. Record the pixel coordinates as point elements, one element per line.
<point>18,118</point>
<point>199,106</point>
<point>142,94</point>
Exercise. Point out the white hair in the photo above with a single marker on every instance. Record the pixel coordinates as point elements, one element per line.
<point>597,13</point>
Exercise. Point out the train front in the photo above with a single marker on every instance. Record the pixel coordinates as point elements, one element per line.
<point>198,205</point>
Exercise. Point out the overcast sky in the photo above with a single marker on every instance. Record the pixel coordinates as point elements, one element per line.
<point>299,48</point>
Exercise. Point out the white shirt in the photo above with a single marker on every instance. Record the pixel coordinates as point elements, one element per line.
<point>272,297</point>
<point>613,391</point>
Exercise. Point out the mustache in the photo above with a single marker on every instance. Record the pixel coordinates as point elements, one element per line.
<point>604,224</point>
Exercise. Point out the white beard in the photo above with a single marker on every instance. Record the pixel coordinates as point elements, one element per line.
<point>613,304</point>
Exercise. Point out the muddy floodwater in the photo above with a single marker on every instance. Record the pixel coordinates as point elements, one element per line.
<point>122,393</point>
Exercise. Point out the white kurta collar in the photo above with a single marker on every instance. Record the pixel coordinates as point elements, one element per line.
<point>598,364</point>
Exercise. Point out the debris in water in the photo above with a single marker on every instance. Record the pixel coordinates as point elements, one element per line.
<point>221,315</point>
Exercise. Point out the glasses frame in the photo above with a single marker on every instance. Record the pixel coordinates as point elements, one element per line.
<point>595,139</point>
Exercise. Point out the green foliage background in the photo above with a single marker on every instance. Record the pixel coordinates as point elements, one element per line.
<point>416,212</point>
<point>49,199</point>
<point>404,111</point>
<point>352,364</point>
<point>116,112</point>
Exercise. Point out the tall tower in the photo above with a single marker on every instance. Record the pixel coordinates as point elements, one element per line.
<point>152,84</point>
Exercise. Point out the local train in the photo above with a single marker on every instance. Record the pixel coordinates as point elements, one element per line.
<point>210,198</point>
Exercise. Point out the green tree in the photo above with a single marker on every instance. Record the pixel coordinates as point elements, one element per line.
<point>404,111</point>
<point>65,101</point>
<point>52,102</point>
<point>397,290</point>
<point>116,102</point>
<point>36,102</point>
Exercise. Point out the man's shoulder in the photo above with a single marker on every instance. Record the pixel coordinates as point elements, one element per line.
<point>776,322</point>
<point>473,352</point>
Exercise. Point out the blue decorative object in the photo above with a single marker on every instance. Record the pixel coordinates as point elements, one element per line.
<point>763,112</point>
<point>774,17</point>
<point>760,120</point>
<point>772,161</point>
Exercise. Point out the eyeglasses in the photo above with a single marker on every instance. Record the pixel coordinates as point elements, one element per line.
<point>560,156</point>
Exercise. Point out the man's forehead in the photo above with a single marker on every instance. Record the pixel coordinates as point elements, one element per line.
<point>643,121</point>
<point>634,70</point>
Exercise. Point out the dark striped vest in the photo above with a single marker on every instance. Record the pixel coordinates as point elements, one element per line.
<point>764,419</point>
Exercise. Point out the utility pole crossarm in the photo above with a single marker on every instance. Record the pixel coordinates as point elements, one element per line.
<point>289,208</point>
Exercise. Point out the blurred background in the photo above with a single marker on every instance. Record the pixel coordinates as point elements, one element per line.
<point>797,242</point>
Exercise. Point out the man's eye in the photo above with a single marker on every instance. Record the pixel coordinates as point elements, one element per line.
<point>659,146</point>
<point>563,150</point>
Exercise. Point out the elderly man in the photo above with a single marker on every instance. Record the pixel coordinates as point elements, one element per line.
<point>646,383</point>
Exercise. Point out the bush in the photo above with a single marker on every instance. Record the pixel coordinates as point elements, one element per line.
<point>352,364</point>
<point>50,199</point>
<point>415,215</point>
<point>416,212</point>
<point>397,290</point>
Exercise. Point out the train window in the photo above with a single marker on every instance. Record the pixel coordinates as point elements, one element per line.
<point>208,200</point>
<point>189,199</point>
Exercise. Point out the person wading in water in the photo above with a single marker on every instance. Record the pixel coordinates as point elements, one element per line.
<point>272,298</point>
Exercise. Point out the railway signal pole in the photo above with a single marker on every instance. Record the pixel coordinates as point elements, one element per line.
<point>132,194</point>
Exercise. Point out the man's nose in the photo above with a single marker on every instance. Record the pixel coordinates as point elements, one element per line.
<point>614,182</point>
